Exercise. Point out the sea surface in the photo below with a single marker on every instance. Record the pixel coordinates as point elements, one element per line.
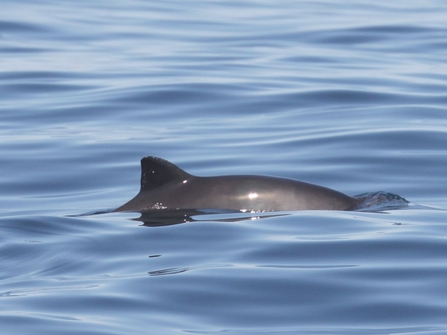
<point>351,95</point>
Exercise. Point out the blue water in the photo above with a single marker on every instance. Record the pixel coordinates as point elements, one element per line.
<point>351,95</point>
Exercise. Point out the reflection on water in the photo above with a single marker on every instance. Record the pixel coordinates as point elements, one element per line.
<point>166,217</point>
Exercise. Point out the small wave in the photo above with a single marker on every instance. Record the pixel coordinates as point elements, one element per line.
<point>380,201</point>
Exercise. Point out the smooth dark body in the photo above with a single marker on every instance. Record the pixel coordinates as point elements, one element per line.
<point>165,186</point>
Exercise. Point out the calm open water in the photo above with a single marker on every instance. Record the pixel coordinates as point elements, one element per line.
<point>351,95</point>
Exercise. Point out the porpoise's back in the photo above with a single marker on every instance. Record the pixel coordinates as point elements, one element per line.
<point>164,185</point>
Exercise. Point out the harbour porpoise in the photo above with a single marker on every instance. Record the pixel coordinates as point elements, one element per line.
<point>166,186</point>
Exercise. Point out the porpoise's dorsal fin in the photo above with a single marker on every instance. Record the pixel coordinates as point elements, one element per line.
<point>156,172</point>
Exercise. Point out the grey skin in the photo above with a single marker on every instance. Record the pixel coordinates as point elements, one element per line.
<point>166,186</point>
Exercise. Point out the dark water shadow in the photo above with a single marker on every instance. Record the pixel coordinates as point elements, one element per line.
<point>169,217</point>
<point>158,218</point>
